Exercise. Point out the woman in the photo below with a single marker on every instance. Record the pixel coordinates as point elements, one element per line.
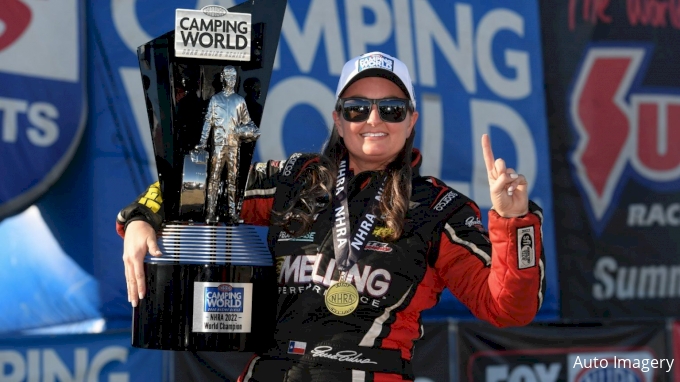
<point>377,233</point>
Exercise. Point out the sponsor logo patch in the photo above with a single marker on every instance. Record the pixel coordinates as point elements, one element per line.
<point>308,237</point>
<point>376,61</point>
<point>445,201</point>
<point>378,246</point>
<point>473,221</point>
<point>382,232</point>
<point>223,298</point>
<point>526,254</point>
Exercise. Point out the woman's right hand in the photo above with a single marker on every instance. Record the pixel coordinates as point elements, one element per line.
<point>140,238</point>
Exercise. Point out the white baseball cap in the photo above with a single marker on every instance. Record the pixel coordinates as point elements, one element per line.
<point>376,64</point>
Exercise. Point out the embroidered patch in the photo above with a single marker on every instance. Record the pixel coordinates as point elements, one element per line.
<point>382,232</point>
<point>526,252</point>
<point>378,246</point>
<point>376,61</point>
<point>308,237</point>
<point>296,347</point>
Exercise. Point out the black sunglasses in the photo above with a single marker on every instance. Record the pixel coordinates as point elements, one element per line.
<point>358,109</point>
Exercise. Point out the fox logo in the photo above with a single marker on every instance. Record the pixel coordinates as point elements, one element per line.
<point>621,130</point>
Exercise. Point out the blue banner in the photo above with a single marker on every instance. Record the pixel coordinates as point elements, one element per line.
<point>42,97</point>
<point>105,357</point>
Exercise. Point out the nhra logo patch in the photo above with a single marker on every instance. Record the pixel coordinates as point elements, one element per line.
<point>376,61</point>
<point>623,130</point>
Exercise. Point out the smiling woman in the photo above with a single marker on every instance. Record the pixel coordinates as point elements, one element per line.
<point>374,139</point>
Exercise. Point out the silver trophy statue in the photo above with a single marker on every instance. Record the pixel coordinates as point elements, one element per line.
<point>214,287</point>
<point>229,122</point>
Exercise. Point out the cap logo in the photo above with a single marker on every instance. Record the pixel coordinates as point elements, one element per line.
<point>376,61</point>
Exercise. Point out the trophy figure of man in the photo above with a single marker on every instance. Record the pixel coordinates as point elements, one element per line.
<point>228,119</point>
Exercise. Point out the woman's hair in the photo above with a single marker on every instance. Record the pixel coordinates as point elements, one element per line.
<point>319,178</point>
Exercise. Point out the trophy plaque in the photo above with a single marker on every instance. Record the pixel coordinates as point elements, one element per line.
<point>205,83</point>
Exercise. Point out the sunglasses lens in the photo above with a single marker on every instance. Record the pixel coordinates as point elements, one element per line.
<point>392,110</point>
<point>356,110</point>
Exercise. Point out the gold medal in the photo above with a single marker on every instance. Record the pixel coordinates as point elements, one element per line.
<point>342,298</point>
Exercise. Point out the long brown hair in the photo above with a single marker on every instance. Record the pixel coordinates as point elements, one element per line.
<point>318,180</point>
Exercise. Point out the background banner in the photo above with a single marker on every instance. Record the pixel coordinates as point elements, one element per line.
<point>565,353</point>
<point>477,68</point>
<point>105,357</point>
<point>613,99</point>
<point>43,104</point>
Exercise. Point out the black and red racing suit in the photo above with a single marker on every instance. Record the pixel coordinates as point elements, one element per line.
<point>498,275</point>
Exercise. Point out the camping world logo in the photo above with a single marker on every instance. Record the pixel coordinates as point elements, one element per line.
<point>376,61</point>
<point>42,97</point>
<point>623,130</point>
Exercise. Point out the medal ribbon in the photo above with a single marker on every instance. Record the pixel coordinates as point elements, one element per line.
<point>347,251</point>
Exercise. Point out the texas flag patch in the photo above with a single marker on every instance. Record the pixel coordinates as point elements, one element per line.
<point>296,347</point>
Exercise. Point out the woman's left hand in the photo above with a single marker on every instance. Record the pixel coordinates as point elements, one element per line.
<point>509,196</point>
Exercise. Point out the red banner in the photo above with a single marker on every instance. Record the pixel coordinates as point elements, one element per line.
<point>613,101</point>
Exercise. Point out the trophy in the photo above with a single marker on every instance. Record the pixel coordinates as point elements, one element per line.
<point>214,287</point>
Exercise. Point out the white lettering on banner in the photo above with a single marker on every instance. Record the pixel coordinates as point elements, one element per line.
<point>485,114</point>
<point>656,214</point>
<point>46,365</point>
<point>360,35</point>
<point>432,133</point>
<point>430,28</point>
<point>43,131</point>
<point>287,94</point>
<point>402,32</point>
<point>322,18</point>
<point>536,373</point>
<point>634,282</point>
<point>132,82</point>
<point>490,25</point>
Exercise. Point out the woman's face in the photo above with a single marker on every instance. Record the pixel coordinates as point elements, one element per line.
<point>373,144</point>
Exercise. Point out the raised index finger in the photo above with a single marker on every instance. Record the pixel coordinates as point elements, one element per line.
<point>488,154</point>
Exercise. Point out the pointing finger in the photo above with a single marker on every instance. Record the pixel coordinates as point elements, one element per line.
<point>488,155</point>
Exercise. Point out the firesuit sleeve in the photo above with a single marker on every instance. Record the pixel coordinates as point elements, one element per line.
<point>498,275</point>
<point>257,202</point>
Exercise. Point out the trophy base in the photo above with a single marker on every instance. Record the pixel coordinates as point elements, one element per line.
<point>180,311</point>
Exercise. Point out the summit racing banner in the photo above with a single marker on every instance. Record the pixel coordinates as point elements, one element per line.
<point>42,96</point>
<point>564,353</point>
<point>613,91</point>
